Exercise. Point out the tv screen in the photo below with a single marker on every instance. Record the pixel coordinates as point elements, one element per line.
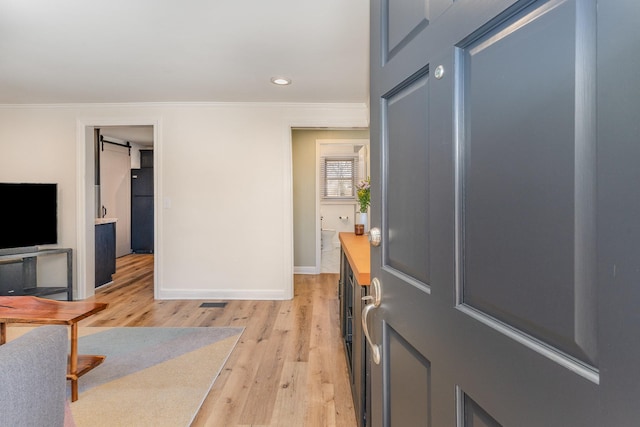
<point>28,214</point>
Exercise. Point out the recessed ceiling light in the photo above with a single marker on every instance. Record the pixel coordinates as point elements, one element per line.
<point>281,81</point>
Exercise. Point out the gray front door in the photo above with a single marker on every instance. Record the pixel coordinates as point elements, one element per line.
<point>505,141</point>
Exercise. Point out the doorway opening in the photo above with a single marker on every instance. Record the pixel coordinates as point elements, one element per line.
<point>139,136</point>
<point>120,175</point>
<point>311,214</point>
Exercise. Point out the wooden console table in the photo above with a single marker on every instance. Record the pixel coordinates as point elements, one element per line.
<point>355,277</point>
<point>29,309</point>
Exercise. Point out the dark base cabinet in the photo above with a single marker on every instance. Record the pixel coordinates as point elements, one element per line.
<point>105,252</point>
<point>351,305</point>
<point>142,238</point>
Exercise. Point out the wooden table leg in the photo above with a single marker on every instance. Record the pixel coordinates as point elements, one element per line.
<point>73,362</point>
<point>3,333</point>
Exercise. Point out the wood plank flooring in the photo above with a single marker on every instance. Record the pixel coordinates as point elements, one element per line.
<point>288,368</point>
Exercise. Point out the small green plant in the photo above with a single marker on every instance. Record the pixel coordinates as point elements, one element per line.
<point>364,194</point>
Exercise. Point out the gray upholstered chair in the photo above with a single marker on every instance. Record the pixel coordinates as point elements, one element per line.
<point>33,371</point>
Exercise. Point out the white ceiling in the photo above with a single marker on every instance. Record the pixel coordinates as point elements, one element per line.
<point>97,51</point>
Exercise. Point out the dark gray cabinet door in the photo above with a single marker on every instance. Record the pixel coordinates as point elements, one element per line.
<point>142,211</point>
<point>105,255</point>
<point>505,161</point>
<point>142,236</point>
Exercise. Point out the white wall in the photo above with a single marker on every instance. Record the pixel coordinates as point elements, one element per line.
<point>339,217</point>
<point>216,237</point>
<point>135,154</point>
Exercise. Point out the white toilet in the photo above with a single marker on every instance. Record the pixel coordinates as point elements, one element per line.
<point>326,239</point>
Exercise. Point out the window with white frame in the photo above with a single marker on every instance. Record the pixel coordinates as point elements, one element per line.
<point>338,177</point>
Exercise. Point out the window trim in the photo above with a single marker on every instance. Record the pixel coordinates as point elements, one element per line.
<point>324,180</point>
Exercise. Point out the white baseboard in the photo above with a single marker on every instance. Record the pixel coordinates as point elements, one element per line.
<point>306,270</point>
<point>221,294</point>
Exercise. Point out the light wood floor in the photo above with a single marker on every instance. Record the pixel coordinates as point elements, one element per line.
<point>288,368</point>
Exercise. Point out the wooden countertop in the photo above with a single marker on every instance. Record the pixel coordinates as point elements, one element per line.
<point>100,221</point>
<point>358,253</point>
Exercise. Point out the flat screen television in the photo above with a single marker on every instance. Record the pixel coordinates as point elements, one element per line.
<point>28,215</point>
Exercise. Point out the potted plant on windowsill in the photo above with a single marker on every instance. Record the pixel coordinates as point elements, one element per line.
<point>364,200</point>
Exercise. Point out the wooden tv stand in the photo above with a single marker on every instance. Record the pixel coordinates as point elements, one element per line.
<point>24,266</point>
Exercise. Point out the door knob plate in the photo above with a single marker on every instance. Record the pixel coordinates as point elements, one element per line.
<point>375,236</point>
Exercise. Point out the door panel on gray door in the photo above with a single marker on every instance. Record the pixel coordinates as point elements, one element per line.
<point>473,415</point>
<point>406,231</point>
<point>409,397</point>
<point>528,212</point>
<point>405,19</point>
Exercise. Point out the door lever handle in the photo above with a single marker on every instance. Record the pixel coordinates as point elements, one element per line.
<point>376,299</point>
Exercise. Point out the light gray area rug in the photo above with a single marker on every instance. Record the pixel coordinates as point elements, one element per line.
<point>130,350</point>
<point>151,376</point>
